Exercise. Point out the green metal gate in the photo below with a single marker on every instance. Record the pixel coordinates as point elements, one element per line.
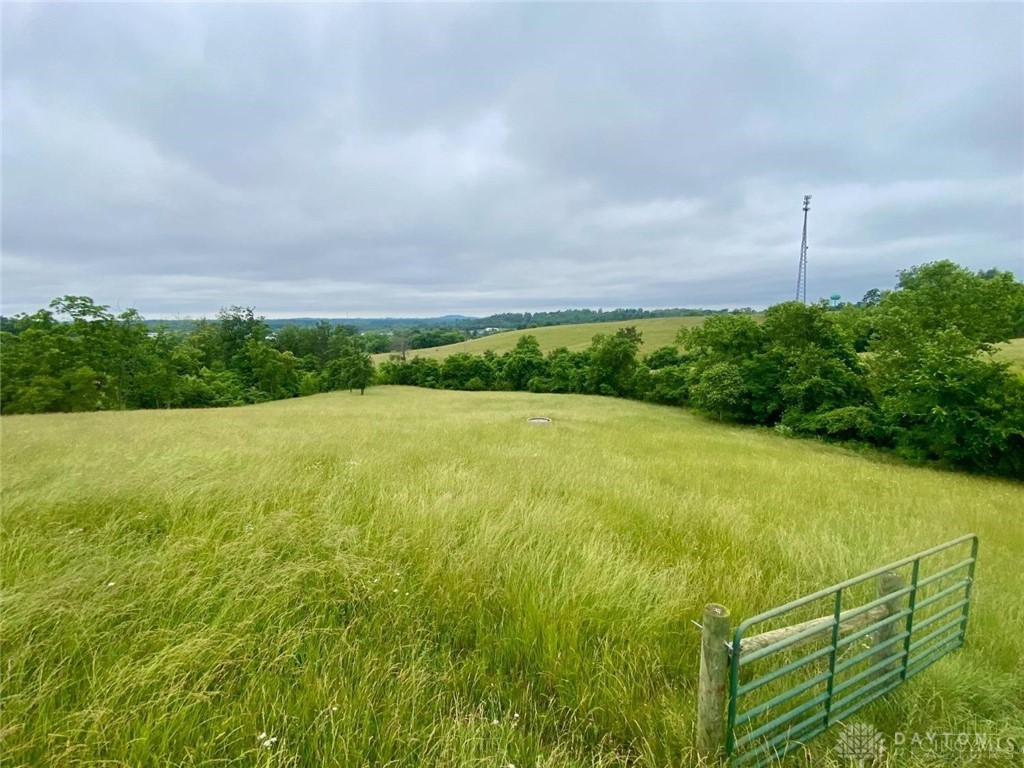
<point>878,630</point>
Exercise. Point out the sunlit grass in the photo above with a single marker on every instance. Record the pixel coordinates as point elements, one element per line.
<point>1013,351</point>
<point>416,577</point>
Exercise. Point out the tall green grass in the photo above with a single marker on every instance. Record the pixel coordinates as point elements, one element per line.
<point>416,577</point>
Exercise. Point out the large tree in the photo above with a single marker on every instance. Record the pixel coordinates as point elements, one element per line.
<point>940,393</point>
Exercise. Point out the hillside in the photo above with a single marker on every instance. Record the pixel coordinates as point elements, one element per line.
<point>420,577</point>
<point>1013,351</point>
<point>656,333</point>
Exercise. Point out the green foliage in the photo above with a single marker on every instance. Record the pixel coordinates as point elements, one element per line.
<point>436,337</point>
<point>235,327</point>
<point>794,365</point>
<point>940,395</point>
<point>466,371</point>
<point>351,369</point>
<point>721,390</point>
<point>663,357</point>
<point>613,363</point>
<point>523,364</point>
<point>723,338</point>
<point>669,385</point>
<point>376,341</point>
<point>943,295</point>
<point>566,372</point>
<point>273,373</point>
<point>77,356</point>
<point>942,399</point>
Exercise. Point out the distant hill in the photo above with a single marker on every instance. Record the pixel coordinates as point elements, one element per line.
<point>505,321</point>
<point>361,323</point>
<point>656,332</point>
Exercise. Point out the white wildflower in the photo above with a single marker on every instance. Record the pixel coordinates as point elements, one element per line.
<point>267,742</point>
<point>110,583</point>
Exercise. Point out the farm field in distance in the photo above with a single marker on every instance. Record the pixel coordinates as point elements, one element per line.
<point>656,331</point>
<point>420,577</point>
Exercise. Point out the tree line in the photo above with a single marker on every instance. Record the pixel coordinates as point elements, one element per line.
<point>909,370</point>
<point>78,356</point>
<point>522,320</point>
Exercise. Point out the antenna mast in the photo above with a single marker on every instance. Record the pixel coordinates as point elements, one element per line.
<point>801,278</point>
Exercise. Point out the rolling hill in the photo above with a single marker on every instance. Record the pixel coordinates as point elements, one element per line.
<point>656,332</point>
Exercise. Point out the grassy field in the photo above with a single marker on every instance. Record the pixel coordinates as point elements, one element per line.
<point>416,577</point>
<point>1014,352</point>
<point>656,332</point>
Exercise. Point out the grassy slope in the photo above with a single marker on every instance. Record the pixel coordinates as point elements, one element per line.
<point>656,332</point>
<point>416,577</point>
<point>1012,351</point>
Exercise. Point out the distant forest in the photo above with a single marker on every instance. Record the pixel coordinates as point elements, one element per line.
<point>909,369</point>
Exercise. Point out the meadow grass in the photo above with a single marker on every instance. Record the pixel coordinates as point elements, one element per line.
<point>657,332</point>
<point>417,577</point>
<point>1013,352</point>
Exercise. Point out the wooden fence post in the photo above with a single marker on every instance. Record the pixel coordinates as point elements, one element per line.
<point>888,583</point>
<point>714,680</point>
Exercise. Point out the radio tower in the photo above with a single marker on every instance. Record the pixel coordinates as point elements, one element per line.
<point>801,278</point>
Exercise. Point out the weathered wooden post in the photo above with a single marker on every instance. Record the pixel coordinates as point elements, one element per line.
<point>887,584</point>
<point>714,680</point>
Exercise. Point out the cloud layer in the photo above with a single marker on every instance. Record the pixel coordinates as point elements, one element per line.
<point>427,159</point>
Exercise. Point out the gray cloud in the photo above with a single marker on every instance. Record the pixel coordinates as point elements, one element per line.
<point>426,159</point>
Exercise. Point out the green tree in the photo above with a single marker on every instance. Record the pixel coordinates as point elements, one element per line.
<point>272,374</point>
<point>351,369</point>
<point>941,398</point>
<point>942,295</point>
<point>613,363</point>
<point>807,368</point>
<point>940,394</point>
<point>521,364</point>
<point>722,392</point>
<point>235,327</point>
<point>360,370</point>
<point>129,358</point>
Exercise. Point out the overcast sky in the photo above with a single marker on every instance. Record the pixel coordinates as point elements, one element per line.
<point>329,160</point>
